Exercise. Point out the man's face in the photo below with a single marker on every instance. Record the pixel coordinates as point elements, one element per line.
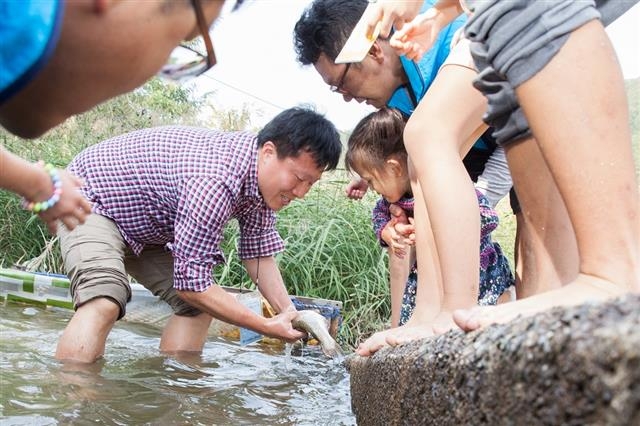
<point>372,81</point>
<point>282,180</point>
<point>101,54</point>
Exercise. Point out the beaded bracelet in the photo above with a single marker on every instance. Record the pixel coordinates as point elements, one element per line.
<point>42,206</point>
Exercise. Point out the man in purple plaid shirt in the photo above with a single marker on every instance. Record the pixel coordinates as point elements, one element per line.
<point>160,200</point>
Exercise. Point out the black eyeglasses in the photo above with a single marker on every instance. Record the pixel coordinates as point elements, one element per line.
<point>339,88</point>
<point>185,61</point>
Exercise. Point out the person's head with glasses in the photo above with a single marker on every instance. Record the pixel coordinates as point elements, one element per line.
<point>320,34</point>
<point>98,50</point>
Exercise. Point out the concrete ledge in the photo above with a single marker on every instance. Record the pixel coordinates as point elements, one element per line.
<point>577,366</point>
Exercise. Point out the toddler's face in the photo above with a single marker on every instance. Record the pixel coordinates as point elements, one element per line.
<point>389,184</point>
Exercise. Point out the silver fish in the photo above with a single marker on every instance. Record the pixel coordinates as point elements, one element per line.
<point>316,325</point>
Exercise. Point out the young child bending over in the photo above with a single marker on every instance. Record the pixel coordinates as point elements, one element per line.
<point>377,154</point>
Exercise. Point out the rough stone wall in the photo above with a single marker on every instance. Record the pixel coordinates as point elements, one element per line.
<point>572,366</point>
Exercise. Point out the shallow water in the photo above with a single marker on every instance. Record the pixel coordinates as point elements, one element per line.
<point>227,385</point>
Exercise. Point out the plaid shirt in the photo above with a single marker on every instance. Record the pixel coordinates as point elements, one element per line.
<point>179,186</point>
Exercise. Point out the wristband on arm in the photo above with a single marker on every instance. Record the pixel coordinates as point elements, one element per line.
<point>42,206</point>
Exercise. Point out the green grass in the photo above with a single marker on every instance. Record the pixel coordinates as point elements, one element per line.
<point>330,251</point>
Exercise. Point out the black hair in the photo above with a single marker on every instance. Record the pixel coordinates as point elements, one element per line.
<point>324,28</point>
<point>375,139</point>
<point>300,129</point>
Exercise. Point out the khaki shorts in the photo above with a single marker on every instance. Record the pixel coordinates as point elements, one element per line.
<point>98,261</point>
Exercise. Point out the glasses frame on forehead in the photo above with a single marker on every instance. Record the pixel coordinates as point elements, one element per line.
<point>183,66</point>
<point>338,88</point>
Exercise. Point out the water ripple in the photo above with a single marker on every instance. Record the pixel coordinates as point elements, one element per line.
<point>136,384</point>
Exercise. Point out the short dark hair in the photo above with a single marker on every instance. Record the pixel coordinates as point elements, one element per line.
<point>324,28</point>
<point>300,129</point>
<point>375,139</point>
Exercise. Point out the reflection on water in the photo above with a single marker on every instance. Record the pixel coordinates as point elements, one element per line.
<point>134,384</point>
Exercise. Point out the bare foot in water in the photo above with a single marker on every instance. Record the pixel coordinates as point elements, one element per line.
<point>584,288</point>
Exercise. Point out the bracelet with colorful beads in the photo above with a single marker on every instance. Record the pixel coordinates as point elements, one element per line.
<point>41,206</point>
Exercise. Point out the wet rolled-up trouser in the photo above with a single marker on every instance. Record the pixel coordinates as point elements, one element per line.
<point>98,261</point>
<point>511,41</point>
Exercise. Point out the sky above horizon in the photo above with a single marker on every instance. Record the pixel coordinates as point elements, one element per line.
<point>257,67</point>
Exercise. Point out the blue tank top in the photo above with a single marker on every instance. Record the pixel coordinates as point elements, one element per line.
<point>422,74</point>
<point>29,32</point>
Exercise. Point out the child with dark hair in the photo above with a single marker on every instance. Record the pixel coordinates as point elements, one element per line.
<point>376,153</point>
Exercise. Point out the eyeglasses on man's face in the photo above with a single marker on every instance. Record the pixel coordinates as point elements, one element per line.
<point>339,87</point>
<point>185,61</point>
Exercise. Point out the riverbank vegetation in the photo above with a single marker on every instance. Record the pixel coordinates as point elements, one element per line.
<point>331,251</point>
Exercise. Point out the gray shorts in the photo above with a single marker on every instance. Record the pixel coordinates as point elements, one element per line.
<point>511,42</point>
<point>98,261</point>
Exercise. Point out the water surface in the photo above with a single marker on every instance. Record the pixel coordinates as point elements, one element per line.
<point>134,384</point>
